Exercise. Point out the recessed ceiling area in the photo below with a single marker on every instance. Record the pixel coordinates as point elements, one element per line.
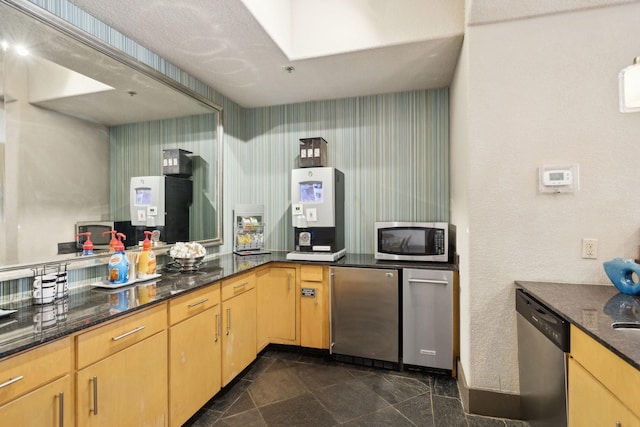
<point>339,48</point>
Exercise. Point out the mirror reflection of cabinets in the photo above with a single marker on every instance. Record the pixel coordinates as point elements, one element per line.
<point>79,119</point>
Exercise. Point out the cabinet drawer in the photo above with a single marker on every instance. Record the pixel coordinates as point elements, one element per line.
<point>188,305</point>
<point>312,273</point>
<point>622,379</point>
<point>238,285</point>
<point>108,339</point>
<point>26,371</point>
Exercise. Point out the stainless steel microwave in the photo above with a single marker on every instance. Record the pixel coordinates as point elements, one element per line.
<point>96,228</point>
<point>415,241</point>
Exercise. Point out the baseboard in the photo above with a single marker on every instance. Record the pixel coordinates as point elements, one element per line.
<point>487,402</point>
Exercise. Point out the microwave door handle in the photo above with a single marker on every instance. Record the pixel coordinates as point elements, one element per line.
<point>405,242</point>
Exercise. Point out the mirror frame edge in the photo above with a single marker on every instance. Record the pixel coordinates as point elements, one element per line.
<point>59,24</point>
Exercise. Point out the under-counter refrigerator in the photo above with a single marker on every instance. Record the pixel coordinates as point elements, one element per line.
<point>365,313</point>
<point>427,318</point>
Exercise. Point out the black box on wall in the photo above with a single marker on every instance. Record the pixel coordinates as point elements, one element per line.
<point>177,162</point>
<point>313,152</point>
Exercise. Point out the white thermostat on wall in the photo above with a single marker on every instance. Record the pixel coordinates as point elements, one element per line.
<point>558,178</point>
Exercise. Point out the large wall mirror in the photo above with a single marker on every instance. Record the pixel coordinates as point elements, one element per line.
<point>78,119</point>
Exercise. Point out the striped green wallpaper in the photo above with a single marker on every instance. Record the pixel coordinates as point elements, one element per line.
<point>136,150</point>
<point>393,150</point>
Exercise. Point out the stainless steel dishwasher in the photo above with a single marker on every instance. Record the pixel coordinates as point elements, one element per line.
<point>427,318</point>
<point>364,314</point>
<point>543,340</point>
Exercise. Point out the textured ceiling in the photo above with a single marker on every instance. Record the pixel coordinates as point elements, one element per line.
<point>222,44</point>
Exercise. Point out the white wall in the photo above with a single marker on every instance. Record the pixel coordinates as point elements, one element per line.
<point>460,186</point>
<point>57,173</point>
<point>528,93</point>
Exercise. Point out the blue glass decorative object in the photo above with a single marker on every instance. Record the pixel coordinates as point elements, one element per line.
<point>620,272</point>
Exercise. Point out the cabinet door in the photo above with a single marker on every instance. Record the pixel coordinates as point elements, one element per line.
<point>128,388</point>
<point>194,364</point>
<point>276,298</point>
<point>591,404</point>
<point>49,405</point>
<point>239,334</point>
<point>263,309</point>
<point>314,315</point>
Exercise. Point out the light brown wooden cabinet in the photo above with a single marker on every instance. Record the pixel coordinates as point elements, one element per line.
<point>36,387</point>
<point>49,405</point>
<point>592,404</point>
<point>276,290</point>
<point>238,325</point>
<point>194,352</point>
<point>122,371</point>
<point>603,389</point>
<point>314,309</point>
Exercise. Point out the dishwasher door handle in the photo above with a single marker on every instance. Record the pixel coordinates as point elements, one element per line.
<point>429,281</point>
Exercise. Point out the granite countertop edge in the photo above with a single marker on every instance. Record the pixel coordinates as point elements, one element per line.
<point>89,306</point>
<point>593,308</point>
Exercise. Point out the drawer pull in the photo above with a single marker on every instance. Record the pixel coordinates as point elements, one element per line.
<point>61,409</point>
<point>95,395</point>
<point>126,334</point>
<point>241,285</point>
<point>11,381</point>
<point>202,301</point>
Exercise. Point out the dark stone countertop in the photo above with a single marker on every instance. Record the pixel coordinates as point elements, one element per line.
<point>88,306</point>
<point>593,308</point>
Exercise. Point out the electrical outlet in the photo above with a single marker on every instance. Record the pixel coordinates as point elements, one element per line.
<point>590,248</point>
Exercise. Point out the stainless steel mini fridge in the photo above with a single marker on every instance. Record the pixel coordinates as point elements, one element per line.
<point>427,318</point>
<point>365,313</point>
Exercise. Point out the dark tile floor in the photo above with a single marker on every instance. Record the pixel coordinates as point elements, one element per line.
<point>287,388</point>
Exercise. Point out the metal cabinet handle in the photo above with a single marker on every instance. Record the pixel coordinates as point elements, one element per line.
<point>618,424</point>
<point>11,381</point>
<point>288,282</point>
<point>126,334</point>
<point>61,409</point>
<point>217,327</point>
<point>433,282</point>
<point>240,285</point>
<point>202,301</point>
<point>228,320</point>
<point>95,395</point>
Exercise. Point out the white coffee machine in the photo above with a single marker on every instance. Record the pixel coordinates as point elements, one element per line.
<point>317,213</point>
